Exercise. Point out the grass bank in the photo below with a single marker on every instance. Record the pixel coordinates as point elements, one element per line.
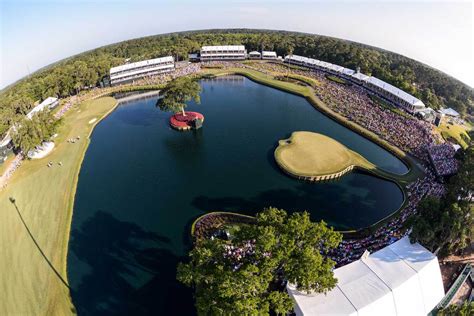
<point>337,79</point>
<point>45,198</point>
<point>455,132</point>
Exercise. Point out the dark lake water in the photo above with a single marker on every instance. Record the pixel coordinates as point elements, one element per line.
<point>142,184</point>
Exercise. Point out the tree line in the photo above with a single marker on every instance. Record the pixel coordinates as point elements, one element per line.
<point>88,69</point>
<point>28,133</point>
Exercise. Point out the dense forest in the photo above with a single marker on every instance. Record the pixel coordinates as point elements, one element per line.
<point>87,70</point>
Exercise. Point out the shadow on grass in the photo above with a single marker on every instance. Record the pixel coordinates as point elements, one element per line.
<point>13,201</point>
<point>121,269</point>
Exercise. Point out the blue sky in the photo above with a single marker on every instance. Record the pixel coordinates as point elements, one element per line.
<point>36,33</point>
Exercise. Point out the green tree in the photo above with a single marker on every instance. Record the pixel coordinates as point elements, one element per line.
<point>448,223</point>
<point>289,52</point>
<point>23,103</point>
<point>29,133</point>
<point>279,249</point>
<point>466,309</point>
<point>25,135</point>
<point>177,93</point>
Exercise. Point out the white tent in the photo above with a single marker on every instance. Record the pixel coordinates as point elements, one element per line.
<point>450,112</point>
<point>400,279</point>
<point>49,102</point>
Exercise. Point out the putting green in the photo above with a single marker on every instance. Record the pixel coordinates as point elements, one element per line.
<point>315,157</point>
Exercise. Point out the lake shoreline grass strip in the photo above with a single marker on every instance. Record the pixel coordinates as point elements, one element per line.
<point>45,196</point>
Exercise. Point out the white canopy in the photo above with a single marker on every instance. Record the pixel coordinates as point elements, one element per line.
<point>449,112</point>
<point>400,279</point>
<point>143,63</point>
<point>395,91</point>
<point>223,48</point>
<point>359,76</point>
<point>267,53</point>
<point>49,103</point>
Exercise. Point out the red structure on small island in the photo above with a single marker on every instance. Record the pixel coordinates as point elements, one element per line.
<point>185,122</point>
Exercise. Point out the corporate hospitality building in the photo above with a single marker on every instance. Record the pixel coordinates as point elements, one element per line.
<point>372,84</point>
<point>145,68</point>
<point>400,279</point>
<point>269,55</point>
<point>228,52</point>
<point>48,103</point>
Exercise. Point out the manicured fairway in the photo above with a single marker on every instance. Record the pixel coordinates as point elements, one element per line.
<point>311,156</point>
<point>44,197</point>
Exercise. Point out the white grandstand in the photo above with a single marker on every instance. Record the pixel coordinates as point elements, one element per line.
<point>227,52</point>
<point>400,279</point>
<point>144,68</point>
<point>269,55</point>
<point>374,85</point>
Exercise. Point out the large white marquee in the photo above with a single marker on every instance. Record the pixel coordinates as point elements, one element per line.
<point>400,279</point>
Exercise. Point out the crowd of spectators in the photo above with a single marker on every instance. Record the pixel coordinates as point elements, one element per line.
<point>10,170</point>
<point>352,249</point>
<point>442,159</point>
<point>182,69</point>
<point>237,253</point>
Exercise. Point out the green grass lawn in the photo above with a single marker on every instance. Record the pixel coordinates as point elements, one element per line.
<point>309,155</point>
<point>456,132</point>
<point>44,197</point>
<point>336,79</point>
<point>313,83</point>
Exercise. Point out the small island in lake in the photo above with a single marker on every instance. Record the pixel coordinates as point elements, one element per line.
<point>186,121</point>
<point>315,157</point>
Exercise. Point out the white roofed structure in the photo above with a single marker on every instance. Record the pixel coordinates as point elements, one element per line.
<point>49,103</point>
<point>400,279</point>
<point>225,52</point>
<point>255,55</point>
<point>408,101</point>
<point>373,84</point>
<point>140,69</point>
<point>360,77</point>
<point>139,64</point>
<point>450,112</point>
<point>269,55</point>
<point>6,139</point>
